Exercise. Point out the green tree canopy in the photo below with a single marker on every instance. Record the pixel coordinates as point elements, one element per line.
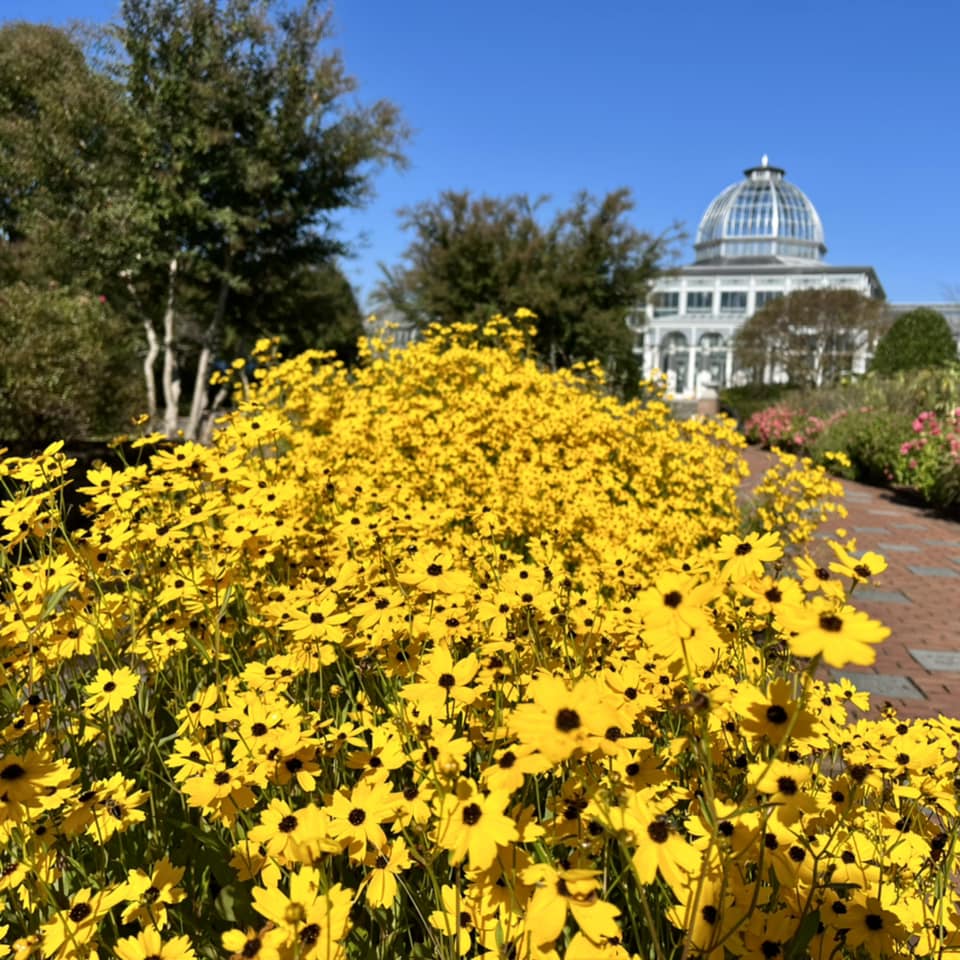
<point>916,340</point>
<point>64,367</point>
<point>809,336</point>
<point>582,273</point>
<point>66,162</point>
<point>192,170</point>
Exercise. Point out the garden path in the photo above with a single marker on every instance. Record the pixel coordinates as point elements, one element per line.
<point>918,596</point>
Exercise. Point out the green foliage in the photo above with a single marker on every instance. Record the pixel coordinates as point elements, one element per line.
<point>919,339</point>
<point>189,167</point>
<point>68,368</point>
<point>871,440</point>
<point>811,336</point>
<point>315,310</point>
<point>66,212</point>
<point>581,274</point>
<point>743,402</point>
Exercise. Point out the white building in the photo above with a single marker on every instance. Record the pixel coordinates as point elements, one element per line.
<point>760,238</point>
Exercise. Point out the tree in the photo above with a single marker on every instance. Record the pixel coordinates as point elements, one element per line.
<point>248,146</point>
<point>64,368</point>
<point>315,310</point>
<point>66,153</point>
<point>191,171</point>
<point>809,337</point>
<point>581,273</point>
<point>916,340</point>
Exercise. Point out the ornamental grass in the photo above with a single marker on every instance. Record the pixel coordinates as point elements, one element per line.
<point>448,656</point>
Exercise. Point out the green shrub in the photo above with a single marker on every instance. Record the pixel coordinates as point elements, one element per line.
<point>871,439</point>
<point>919,339</point>
<point>68,368</point>
<point>743,402</point>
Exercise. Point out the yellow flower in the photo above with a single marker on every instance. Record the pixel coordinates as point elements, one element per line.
<point>558,891</point>
<point>74,927</point>
<point>149,895</point>
<point>110,690</point>
<point>312,920</point>
<point>837,632</point>
<point>384,866</point>
<point>744,557</point>
<point>473,825</point>
<point>149,945</point>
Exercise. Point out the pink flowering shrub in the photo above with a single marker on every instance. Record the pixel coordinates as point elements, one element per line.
<point>929,461</point>
<point>783,426</point>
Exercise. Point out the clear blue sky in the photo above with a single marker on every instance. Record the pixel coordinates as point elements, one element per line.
<point>858,101</point>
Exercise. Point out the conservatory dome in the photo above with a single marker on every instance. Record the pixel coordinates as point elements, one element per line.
<point>761,216</point>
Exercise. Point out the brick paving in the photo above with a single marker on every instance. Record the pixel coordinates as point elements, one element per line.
<point>918,667</point>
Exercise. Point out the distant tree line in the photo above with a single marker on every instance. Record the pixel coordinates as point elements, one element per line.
<point>581,272</point>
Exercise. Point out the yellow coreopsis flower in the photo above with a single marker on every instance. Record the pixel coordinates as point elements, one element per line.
<point>149,945</point>
<point>837,632</point>
<point>149,895</point>
<point>744,557</point>
<point>473,825</point>
<point>558,891</point>
<point>110,690</point>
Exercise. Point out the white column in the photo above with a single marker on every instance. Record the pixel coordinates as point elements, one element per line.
<point>689,389</point>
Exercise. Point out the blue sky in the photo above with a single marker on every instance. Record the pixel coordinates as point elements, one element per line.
<point>857,101</point>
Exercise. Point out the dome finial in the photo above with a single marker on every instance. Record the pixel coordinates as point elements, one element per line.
<point>764,161</point>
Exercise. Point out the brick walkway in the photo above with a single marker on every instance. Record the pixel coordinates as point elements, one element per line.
<point>918,597</point>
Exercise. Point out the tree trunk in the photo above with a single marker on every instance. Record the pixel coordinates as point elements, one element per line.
<point>198,404</point>
<point>171,376</point>
<point>153,351</point>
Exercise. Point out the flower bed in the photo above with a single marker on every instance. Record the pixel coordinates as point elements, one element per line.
<point>452,657</point>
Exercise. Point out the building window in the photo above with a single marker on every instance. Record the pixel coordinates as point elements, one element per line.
<point>733,300</point>
<point>699,300</point>
<point>765,296</point>
<point>665,303</point>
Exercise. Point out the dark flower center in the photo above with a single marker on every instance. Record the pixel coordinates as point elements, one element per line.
<point>471,814</point>
<point>743,549</point>
<point>288,824</point>
<point>12,771</point>
<point>259,729</point>
<point>80,912</point>
<point>221,778</point>
<point>673,599</point>
<point>787,786</point>
<point>508,760</point>
<point>776,714</point>
<point>709,913</point>
<point>151,894</point>
<point>567,720</point>
<point>873,921</point>
<point>109,687</point>
<point>434,570</point>
<point>251,948</point>
<point>658,831</point>
<point>310,934</point>
<point>446,680</point>
<point>357,816</point>
<point>830,622</point>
